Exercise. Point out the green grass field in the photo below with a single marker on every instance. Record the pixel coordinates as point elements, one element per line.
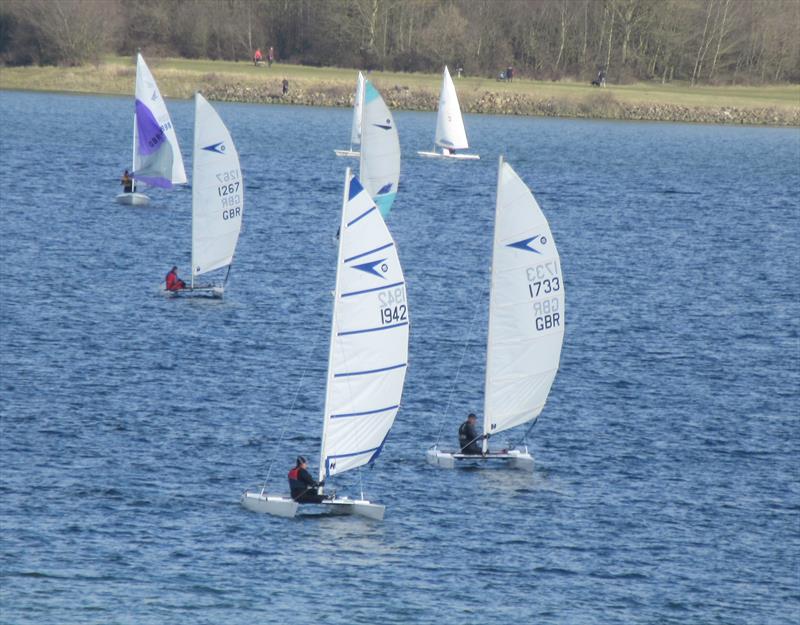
<point>180,78</point>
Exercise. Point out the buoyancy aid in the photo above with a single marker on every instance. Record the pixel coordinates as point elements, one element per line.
<point>295,484</point>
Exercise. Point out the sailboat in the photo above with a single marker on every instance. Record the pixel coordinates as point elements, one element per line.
<point>358,108</point>
<point>217,200</point>
<point>379,164</point>
<point>450,133</point>
<point>367,360</point>
<point>157,158</point>
<point>526,323</point>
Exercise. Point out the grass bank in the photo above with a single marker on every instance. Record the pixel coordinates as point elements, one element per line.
<point>243,82</point>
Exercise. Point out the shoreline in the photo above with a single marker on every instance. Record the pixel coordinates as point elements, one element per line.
<point>239,82</point>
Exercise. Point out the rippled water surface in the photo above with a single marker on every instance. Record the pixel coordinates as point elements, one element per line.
<point>666,484</point>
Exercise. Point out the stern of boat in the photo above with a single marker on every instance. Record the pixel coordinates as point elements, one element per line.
<point>439,458</point>
<point>270,504</point>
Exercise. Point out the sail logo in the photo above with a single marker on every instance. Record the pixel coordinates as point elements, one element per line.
<point>527,244</point>
<point>154,97</point>
<point>386,126</point>
<point>370,267</point>
<point>219,148</point>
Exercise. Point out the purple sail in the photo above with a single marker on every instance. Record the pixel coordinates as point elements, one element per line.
<point>154,150</point>
<point>151,136</point>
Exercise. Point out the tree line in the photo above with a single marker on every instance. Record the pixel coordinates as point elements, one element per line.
<point>701,41</point>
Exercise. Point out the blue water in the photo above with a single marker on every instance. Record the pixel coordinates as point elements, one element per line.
<point>666,487</point>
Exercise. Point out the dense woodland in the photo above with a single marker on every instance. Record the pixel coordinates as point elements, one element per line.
<point>701,41</point>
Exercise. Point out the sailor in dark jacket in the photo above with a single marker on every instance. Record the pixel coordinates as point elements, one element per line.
<point>302,486</point>
<point>468,436</point>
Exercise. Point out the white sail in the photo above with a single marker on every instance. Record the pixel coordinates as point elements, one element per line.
<point>379,168</point>
<point>358,109</point>
<point>217,191</point>
<point>526,310</point>
<point>450,131</point>
<point>154,163</point>
<point>369,338</point>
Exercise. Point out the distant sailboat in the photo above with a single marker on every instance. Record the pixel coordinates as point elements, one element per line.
<point>367,359</point>
<point>526,322</point>
<point>379,165</point>
<point>157,158</point>
<point>358,109</point>
<point>217,200</point>
<point>450,132</point>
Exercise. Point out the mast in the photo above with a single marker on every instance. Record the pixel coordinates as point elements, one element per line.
<point>329,377</point>
<point>133,156</point>
<point>486,418</point>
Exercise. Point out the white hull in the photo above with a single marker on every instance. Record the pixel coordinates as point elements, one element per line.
<point>208,290</point>
<point>133,199</point>
<point>457,157</point>
<point>514,458</point>
<point>287,507</point>
<point>350,153</point>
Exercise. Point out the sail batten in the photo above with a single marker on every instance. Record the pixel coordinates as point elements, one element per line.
<point>368,355</point>
<point>526,309</point>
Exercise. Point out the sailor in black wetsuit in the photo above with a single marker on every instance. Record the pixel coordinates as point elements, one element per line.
<point>468,437</point>
<point>302,486</point>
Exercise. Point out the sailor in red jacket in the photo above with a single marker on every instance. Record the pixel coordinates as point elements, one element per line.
<point>302,486</point>
<point>174,283</point>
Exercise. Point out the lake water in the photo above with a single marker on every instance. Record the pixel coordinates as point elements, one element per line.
<point>666,487</point>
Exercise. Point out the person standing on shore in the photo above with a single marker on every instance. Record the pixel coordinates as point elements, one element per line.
<point>271,56</point>
<point>257,56</point>
<point>285,86</point>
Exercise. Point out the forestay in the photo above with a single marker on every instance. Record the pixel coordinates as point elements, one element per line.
<point>369,339</point>
<point>217,191</point>
<point>157,157</point>
<point>380,150</point>
<point>450,131</point>
<point>526,310</point>
<point>358,109</point>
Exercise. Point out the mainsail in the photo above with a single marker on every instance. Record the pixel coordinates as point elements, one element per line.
<point>358,109</point>
<point>157,157</point>
<point>217,191</point>
<point>379,167</point>
<point>369,338</point>
<point>526,310</point>
<point>450,131</point>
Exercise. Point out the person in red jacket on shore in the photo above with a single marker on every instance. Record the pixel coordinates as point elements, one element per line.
<point>174,283</point>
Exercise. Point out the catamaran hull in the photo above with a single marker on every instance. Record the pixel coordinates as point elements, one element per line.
<point>209,292</point>
<point>457,157</point>
<point>288,508</point>
<point>133,199</point>
<point>513,458</point>
<point>350,153</point>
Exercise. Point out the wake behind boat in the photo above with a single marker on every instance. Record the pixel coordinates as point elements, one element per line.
<point>217,201</point>
<point>367,360</point>
<point>355,131</point>
<point>157,157</point>
<point>450,133</point>
<point>526,325</point>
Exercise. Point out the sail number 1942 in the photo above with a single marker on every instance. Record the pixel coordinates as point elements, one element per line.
<point>393,306</point>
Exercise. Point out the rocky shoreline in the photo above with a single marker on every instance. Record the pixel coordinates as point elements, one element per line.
<point>598,105</point>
